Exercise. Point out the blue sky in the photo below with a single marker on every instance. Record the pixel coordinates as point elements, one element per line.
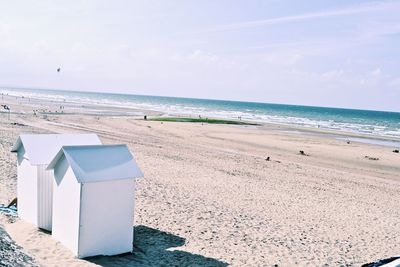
<point>325,53</point>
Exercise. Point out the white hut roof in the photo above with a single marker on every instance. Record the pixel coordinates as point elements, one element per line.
<point>99,163</point>
<point>41,148</point>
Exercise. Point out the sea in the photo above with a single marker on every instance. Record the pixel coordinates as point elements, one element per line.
<point>365,122</point>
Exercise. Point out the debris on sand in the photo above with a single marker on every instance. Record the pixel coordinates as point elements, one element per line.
<point>13,202</point>
<point>9,211</point>
<point>269,159</point>
<point>396,151</point>
<point>17,124</point>
<point>371,158</point>
<point>301,152</point>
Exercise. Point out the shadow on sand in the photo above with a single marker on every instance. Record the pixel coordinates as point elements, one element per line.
<point>150,249</point>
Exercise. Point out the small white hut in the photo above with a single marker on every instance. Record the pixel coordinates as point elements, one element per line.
<point>35,183</point>
<point>94,195</point>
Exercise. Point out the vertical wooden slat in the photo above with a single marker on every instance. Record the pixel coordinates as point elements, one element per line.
<point>45,198</point>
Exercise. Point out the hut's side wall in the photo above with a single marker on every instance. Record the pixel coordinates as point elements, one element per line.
<point>66,199</point>
<point>106,218</point>
<point>27,188</point>
<point>45,197</point>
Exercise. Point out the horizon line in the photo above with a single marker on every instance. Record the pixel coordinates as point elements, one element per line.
<point>2,87</point>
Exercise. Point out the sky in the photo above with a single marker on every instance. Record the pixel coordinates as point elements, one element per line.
<point>343,53</point>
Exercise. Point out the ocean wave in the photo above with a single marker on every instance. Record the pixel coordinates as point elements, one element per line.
<point>332,120</point>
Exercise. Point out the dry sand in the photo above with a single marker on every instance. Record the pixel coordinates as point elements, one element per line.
<point>209,197</point>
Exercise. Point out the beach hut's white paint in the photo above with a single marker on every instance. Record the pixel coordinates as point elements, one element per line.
<point>35,183</point>
<point>94,194</point>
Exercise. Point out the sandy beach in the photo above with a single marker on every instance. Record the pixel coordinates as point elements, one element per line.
<point>210,197</point>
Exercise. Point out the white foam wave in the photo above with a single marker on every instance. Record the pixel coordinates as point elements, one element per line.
<point>192,110</point>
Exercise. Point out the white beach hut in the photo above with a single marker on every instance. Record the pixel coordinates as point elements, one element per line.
<point>94,194</point>
<point>35,183</point>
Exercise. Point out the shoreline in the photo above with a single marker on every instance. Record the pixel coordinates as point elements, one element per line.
<point>104,110</point>
<point>347,136</point>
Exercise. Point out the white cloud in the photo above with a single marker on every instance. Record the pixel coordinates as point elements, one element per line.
<point>332,75</point>
<point>308,16</point>
<point>109,48</point>
<point>283,58</point>
<point>395,82</point>
<point>376,72</point>
<point>4,29</point>
<point>203,57</point>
